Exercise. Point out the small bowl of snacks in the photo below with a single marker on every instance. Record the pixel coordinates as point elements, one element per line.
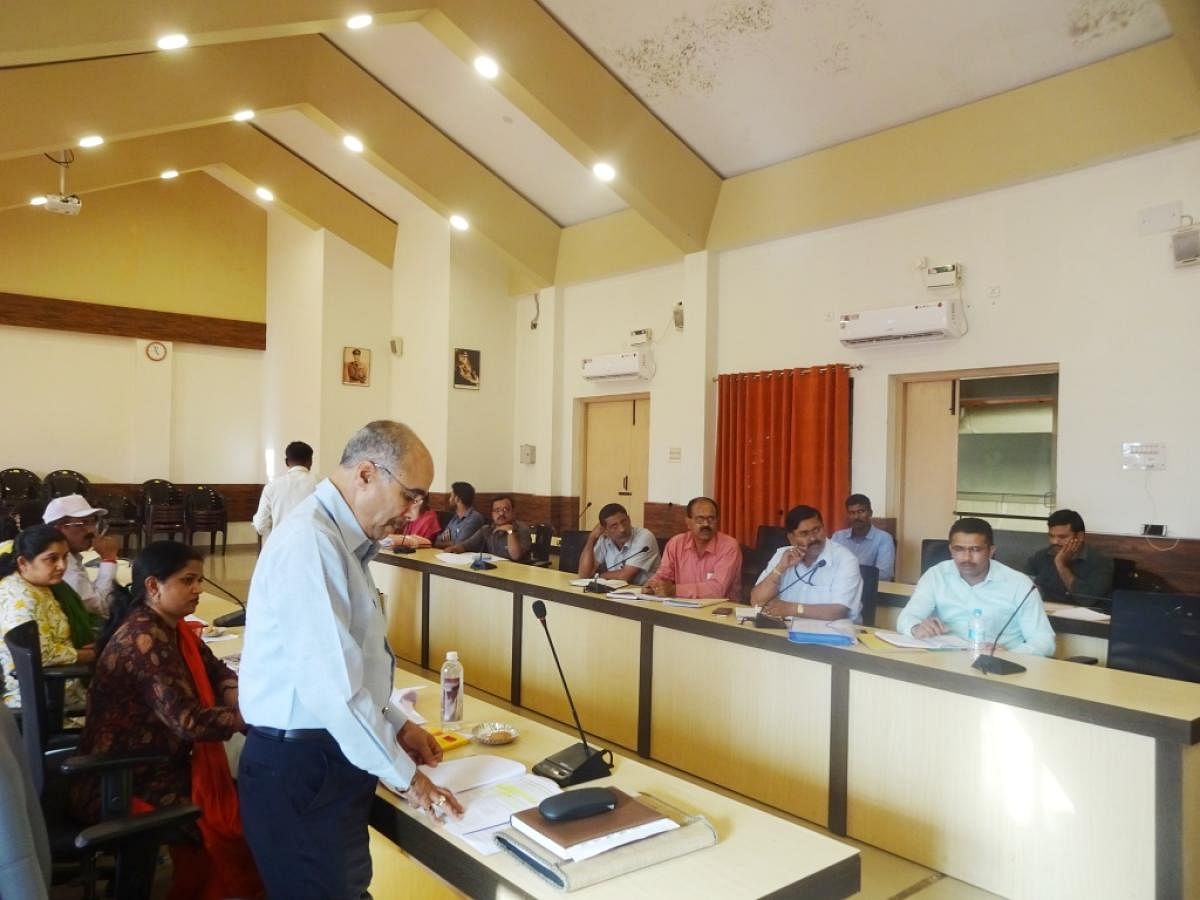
<point>494,733</point>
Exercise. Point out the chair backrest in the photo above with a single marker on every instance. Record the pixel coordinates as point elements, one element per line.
<point>203,498</point>
<point>1155,634</point>
<point>539,551</point>
<point>570,547</point>
<point>1125,574</point>
<point>933,551</point>
<point>26,651</point>
<point>444,517</point>
<point>157,490</point>
<point>870,593</point>
<point>19,485</point>
<point>121,510</point>
<point>61,482</point>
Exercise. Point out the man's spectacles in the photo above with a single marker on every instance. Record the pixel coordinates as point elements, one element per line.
<point>411,496</point>
<point>968,551</point>
<point>704,520</point>
<point>89,522</point>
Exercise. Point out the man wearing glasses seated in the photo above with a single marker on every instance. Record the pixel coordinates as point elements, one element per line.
<point>948,594</point>
<point>79,522</point>
<point>701,563</point>
<point>812,577</point>
<point>505,537</point>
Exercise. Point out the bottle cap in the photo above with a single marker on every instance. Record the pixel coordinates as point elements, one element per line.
<point>451,654</point>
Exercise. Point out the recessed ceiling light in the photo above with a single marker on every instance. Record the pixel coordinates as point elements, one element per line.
<point>172,41</point>
<point>243,115</point>
<point>92,140</point>
<point>487,67</point>
<point>604,171</point>
<point>459,223</point>
<point>362,20</point>
<point>168,174</point>
<point>38,201</point>
<point>353,143</point>
<point>264,194</point>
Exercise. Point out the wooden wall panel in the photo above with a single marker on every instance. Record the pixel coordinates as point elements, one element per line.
<point>123,321</point>
<point>664,519</point>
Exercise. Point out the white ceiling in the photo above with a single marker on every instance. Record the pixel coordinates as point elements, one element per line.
<point>748,83</point>
<point>423,72</point>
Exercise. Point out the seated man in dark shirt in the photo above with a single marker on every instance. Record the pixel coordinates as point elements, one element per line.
<point>1068,566</point>
<point>505,537</point>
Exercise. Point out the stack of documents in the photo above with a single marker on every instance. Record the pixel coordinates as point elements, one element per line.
<point>908,642</point>
<point>632,593</point>
<point>580,839</point>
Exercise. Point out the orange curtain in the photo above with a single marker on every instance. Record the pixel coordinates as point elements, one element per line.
<point>783,438</point>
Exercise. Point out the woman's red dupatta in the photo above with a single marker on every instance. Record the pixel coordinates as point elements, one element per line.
<point>232,872</point>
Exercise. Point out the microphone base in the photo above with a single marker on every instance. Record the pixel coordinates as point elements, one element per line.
<point>482,564</point>
<point>234,619</point>
<point>595,587</point>
<point>575,765</point>
<point>994,665</point>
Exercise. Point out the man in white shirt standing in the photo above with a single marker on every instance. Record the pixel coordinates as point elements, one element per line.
<point>286,491</point>
<point>78,520</point>
<point>316,677</point>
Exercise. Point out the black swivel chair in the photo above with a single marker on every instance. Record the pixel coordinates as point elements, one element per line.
<point>933,551</point>
<point>539,550</point>
<point>570,547</point>
<point>870,593</point>
<point>1155,634</point>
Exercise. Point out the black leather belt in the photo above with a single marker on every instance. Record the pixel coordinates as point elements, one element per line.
<point>292,734</point>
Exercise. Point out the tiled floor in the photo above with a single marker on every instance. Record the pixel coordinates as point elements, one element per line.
<point>884,876</point>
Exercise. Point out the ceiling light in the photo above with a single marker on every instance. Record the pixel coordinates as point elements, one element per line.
<point>172,41</point>
<point>353,143</point>
<point>92,140</point>
<point>487,67</point>
<point>264,194</point>
<point>459,223</point>
<point>604,171</point>
<point>243,115</point>
<point>168,174</point>
<point>38,201</point>
<point>362,20</point>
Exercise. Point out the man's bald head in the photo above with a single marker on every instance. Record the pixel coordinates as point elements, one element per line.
<point>384,471</point>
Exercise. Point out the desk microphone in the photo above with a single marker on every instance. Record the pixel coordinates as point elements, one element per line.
<point>762,621</point>
<point>989,663</point>
<point>235,619</point>
<point>583,512</point>
<point>579,762</point>
<point>595,587</point>
<point>479,563</point>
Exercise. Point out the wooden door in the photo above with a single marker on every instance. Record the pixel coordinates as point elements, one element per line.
<point>616,456</point>
<point>929,478</point>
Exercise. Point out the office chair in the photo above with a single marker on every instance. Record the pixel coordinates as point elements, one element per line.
<point>570,547</point>
<point>933,551</point>
<point>870,593</point>
<point>1155,634</point>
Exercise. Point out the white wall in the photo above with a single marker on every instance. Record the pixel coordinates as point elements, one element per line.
<point>1076,286</point>
<point>216,401</point>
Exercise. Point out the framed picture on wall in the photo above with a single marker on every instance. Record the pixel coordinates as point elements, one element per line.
<point>356,366</point>
<point>466,369</point>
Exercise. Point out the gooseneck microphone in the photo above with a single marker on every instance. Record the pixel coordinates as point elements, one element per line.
<point>595,587</point>
<point>989,663</point>
<point>764,621</point>
<point>579,762</point>
<point>583,512</point>
<point>235,619</point>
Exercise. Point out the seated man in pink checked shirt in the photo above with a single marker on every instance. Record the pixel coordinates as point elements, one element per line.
<point>701,562</point>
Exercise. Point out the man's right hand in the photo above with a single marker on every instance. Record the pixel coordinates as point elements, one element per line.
<point>931,627</point>
<point>107,547</point>
<point>792,556</point>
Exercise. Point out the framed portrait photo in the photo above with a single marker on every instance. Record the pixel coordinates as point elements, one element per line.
<point>356,366</point>
<point>466,369</point>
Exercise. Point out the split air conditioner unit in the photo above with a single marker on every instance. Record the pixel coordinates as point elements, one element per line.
<point>632,364</point>
<point>913,324</point>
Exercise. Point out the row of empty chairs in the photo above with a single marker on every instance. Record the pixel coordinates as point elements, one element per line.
<point>164,508</point>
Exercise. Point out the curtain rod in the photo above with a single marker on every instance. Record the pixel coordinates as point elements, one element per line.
<point>855,367</point>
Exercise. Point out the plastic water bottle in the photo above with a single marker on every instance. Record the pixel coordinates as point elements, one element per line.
<point>976,634</point>
<point>452,689</point>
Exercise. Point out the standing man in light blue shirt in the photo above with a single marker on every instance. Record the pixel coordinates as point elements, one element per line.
<point>617,550</point>
<point>949,593</point>
<point>873,546</point>
<point>316,677</point>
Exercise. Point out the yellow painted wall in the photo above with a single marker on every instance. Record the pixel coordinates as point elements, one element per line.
<point>185,246</point>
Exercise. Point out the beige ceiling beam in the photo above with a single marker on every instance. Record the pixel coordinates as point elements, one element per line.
<point>1184,16</point>
<point>301,190</point>
<point>45,108</point>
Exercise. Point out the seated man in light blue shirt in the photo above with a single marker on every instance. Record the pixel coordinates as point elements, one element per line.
<point>949,593</point>
<point>617,550</point>
<point>812,578</point>
<point>873,546</point>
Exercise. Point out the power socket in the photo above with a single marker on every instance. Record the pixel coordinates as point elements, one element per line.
<point>1154,530</point>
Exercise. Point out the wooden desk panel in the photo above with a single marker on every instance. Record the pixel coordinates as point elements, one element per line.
<point>402,602</point>
<point>756,722</point>
<point>1025,817</point>
<point>477,621</point>
<point>601,659</point>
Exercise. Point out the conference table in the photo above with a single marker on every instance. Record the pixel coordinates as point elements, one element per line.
<point>1063,781</point>
<point>758,853</point>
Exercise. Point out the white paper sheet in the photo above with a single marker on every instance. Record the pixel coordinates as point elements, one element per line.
<point>464,559</point>
<point>459,775</point>
<point>941,642</point>
<point>1083,613</point>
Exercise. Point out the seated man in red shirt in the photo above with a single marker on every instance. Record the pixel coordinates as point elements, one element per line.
<point>701,562</point>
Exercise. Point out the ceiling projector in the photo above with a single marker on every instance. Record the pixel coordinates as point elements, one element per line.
<point>63,204</point>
